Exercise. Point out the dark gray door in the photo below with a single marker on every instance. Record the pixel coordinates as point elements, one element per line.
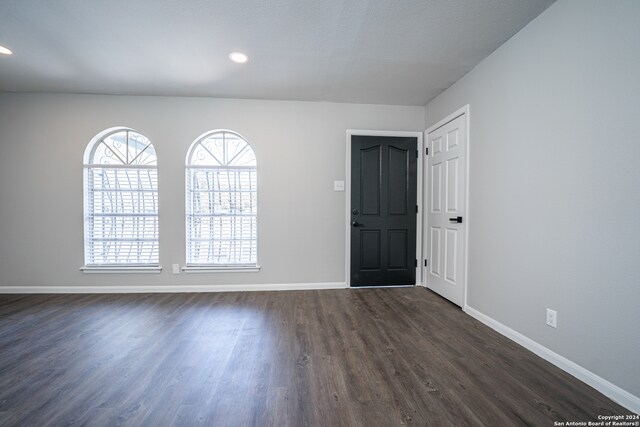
<point>383,210</point>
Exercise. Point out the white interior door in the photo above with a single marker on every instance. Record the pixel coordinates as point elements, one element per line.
<point>445,233</point>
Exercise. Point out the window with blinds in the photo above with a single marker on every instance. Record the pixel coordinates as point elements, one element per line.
<point>121,200</point>
<point>221,205</point>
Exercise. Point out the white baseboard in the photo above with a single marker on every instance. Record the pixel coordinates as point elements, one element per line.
<point>167,288</point>
<point>610,390</point>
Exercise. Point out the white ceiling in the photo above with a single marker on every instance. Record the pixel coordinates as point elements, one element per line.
<point>366,51</point>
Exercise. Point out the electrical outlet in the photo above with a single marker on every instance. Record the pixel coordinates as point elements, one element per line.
<point>552,318</point>
<point>338,185</point>
<point>176,268</point>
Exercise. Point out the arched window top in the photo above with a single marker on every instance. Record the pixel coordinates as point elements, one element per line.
<point>120,146</point>
<point>221,148</point>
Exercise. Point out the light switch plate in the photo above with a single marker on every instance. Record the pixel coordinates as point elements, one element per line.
<point>338,185</point>
<point>552,318</point>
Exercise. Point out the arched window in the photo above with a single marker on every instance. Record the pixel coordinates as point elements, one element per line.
<point>120,200</point>
<point>221,190</point>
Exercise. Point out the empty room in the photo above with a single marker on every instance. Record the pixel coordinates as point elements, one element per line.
<point>319,213</point>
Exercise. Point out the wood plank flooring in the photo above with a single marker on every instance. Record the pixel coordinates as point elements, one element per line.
<point>368,357</point>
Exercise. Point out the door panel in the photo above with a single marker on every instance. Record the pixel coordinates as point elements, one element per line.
<point>451,258</point>
<point>370,160</point>
<point>446,170</point>
<point>397,199</point>
<point>436,145</point>
<point>370,258</point>
<point>452,139</point>
<point>383,206</point>
<point>451,186</point>
<point>397,249</point>
<point>436,187</point>
<point>436,269</point>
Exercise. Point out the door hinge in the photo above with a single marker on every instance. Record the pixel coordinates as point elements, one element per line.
<point>417,154</point>
<point>416,208</point>
<point>425,262</point>
<point>426,151</point>
<point>416,262</point>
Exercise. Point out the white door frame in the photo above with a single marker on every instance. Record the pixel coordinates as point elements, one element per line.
<point>462,111</point>
<point>418,136</point>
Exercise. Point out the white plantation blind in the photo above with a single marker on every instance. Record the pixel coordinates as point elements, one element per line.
<point>221,206</point>
<point>121,201</point>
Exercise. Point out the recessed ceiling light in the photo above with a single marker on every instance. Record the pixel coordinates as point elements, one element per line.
<point>238,57</point>
<point>5,51</point>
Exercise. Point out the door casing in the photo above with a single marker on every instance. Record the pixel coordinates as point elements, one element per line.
<point>419,196</point>
<point>425,177</point>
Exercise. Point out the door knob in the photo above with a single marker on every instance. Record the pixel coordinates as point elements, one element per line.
<point>457,219</point>
<point>355,211</point>
<point>355,223</point>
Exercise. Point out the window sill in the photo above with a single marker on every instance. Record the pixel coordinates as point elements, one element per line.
<point>221,269</point>
<point>120,269</point>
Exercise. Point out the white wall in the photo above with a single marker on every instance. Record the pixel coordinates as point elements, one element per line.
<point>300,147</point>
<point>555,183</point>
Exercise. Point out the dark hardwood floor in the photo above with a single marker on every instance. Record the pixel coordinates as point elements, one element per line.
<point>370,357</point>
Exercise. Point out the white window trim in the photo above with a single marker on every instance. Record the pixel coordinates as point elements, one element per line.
<point>120,269</point>
<point>221,269</point>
